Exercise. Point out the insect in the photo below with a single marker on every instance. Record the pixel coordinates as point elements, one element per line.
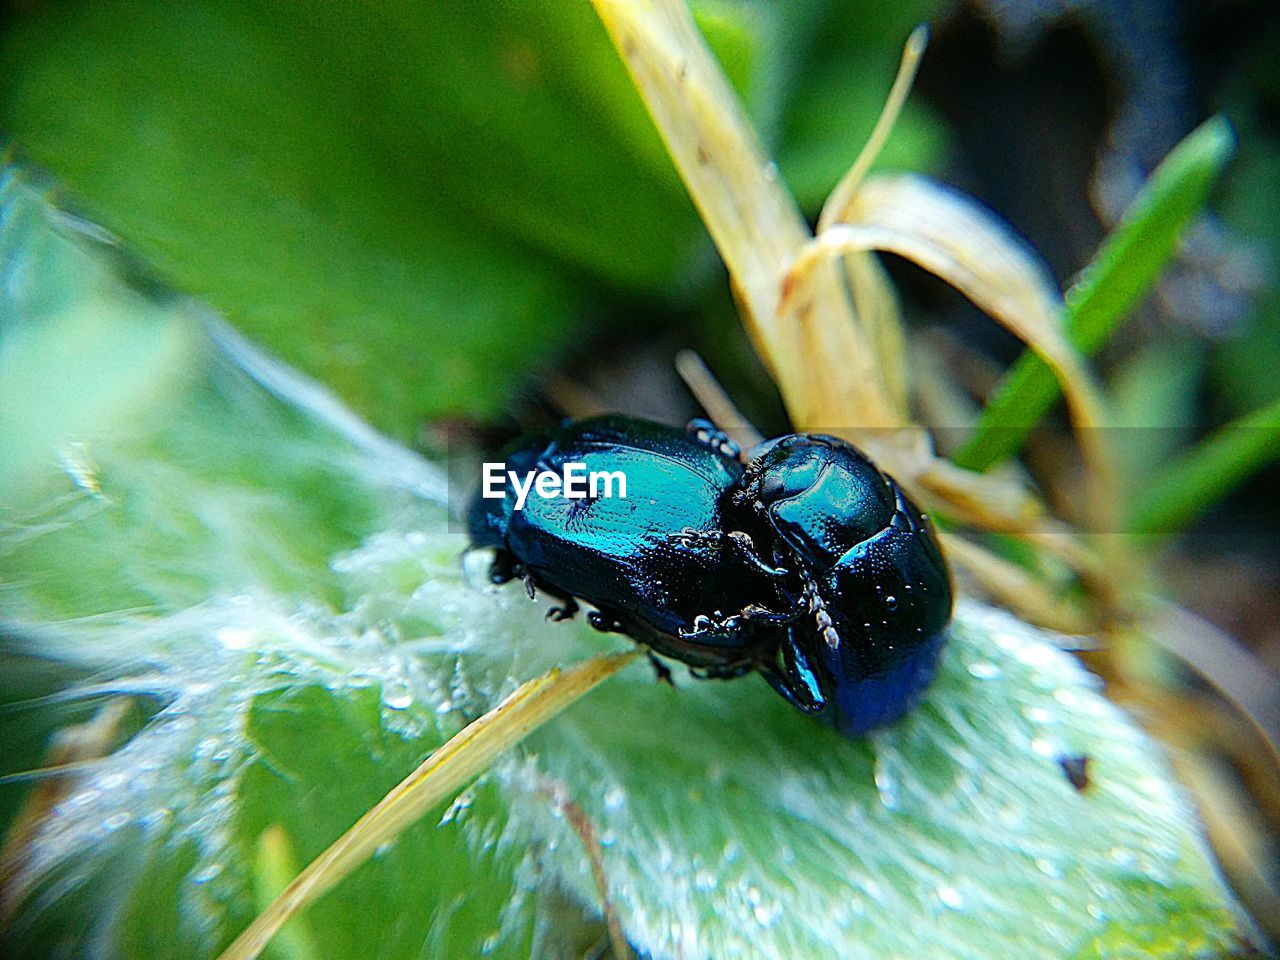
<point>663,565</point>
<point>868,573</point>
<point>800,561</point>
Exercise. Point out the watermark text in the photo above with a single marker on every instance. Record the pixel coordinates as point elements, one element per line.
<point>574,482</point>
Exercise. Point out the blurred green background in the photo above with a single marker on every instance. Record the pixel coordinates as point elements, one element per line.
<point>458,214</point>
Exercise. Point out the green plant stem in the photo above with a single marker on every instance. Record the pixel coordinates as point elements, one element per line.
<point>1107,291</point>
<point>1208,472</point>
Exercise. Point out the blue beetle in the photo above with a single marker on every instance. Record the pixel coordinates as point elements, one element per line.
<point>868,570</point>
<point>662,565</point>
<point>803,563</point>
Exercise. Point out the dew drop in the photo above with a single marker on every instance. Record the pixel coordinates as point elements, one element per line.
<point>984,670</point>
<point>950,897</point>
<point>891,602</point>
<point>886,786</point>
<point>461,804</point>
<point>1066,697</point>
<point>397,696</point>
<point>1122,857</point>
<point>1043,747</point>
<point>731,852</point>
<point>82,799</point>
<point>1048,868</point>
<point>1039,715</point>
<point>208,873</point>
<point>234,638</point>
<point>767,914</point>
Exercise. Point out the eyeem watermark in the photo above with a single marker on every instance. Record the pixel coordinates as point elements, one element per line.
<point>575,482</point>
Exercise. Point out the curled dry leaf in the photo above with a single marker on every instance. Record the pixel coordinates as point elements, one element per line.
<point>820,310</point>
<point>957,240</point>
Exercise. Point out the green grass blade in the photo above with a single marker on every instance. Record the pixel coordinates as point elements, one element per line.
<point>1208,472</point>
<point>1107,291</point>
<point>275,865</point>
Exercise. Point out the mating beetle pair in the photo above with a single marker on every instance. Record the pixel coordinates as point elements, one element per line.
<point>800,561</point>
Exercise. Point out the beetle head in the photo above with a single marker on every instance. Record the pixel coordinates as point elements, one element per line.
<point>819,494</point>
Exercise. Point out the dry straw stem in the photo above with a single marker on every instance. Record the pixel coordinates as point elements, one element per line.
<point>820,311</point>
<point>1011,585</point>
<point>713,398</point>
<point>439,777</point>
<point>1002,580</point>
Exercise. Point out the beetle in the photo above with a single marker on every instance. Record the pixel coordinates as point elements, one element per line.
<point>662,565</point>
<point>868,570</point>
<point>802,561</point>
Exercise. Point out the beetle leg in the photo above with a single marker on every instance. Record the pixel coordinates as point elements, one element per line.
<point>662,670</point>
<point>504,568</point>
<point>689,538</point>
<point>722,671</point>
<point>567,610</point>
<point>722,626</point>
<point>708,434</point>
<point>795,680</point>
<point>603,622</point>
<point>747,550</point>
<point>529,586</point>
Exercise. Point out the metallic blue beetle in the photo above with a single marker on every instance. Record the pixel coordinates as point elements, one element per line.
<point>866,568</point>
<point>664,565</point>
<point>805,564</point>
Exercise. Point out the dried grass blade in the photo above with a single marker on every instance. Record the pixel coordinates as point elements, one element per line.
<point>441,775</point>
<point>959,241</point>
<point>751,216</point>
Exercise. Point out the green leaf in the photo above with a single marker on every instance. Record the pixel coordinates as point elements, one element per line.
<point>1152,409</point>
<point>729,824</point>
<point>182,556</point>
<point>356,187</point>
<point>1185,489</point>
<point>116,411</point>
<point>1243,365</point>
<point>441,891</point>
<point>1106,292</point>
